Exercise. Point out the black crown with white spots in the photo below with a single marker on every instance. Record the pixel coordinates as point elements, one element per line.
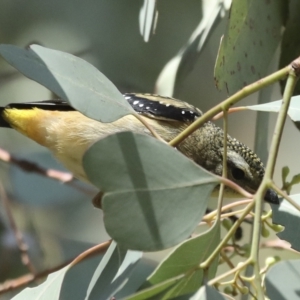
<point>162,108</point>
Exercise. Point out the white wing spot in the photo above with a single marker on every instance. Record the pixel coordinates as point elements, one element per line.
<point>167,105</point>
<point>191,112</point>
<point>147,107</point>
<point>127,97</point>
<point>161,102</point>
<point>135,102</point>
<point>141,105</point>
<point>183,112</point>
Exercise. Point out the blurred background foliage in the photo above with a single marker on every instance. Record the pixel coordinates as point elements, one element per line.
<point>57,220</point>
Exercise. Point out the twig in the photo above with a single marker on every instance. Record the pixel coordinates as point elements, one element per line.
<point>246,91</point>
<point>91,252</point>
<point>230,111</point>
<point>254,254</point>
<point>231,265</point>
<point>285,196</point>
<point>29,278</point>
<point>31,167</point>
<point>278,244</point>
<point>227,237</point>
<point>18,234</point>
<point>149,127</point>
<point>224,171</point>
<point>226,207</point>
<point>235,187</point>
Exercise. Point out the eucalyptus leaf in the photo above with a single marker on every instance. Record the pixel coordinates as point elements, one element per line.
<point>154,196</point>
<point>290,45</point>
<point>148,19</point>
<point>207,293</point>
<point>72,79</point>
<point>112,273</point>
<point>282,280</point>
<point>156,291</point>
<point>185,259</point>
<point>176,70</point>
<point>286,215</point>
<point>293,112</point>
<point>48,290</point>
<point>252,36</point>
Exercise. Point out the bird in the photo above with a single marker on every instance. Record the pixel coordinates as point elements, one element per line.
<point>67,133</point>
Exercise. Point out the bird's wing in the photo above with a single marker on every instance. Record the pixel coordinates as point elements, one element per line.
<point>150,105</point>
<point>59,105</point>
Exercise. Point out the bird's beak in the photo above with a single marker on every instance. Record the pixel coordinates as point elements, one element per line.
<point>271,197</point>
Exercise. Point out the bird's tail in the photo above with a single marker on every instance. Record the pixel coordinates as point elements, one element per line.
<point>3,123</point>
<point>56,105</point>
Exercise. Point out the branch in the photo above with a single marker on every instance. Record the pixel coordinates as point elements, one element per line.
<point>293,68</point>
<point>29,278</point>
<point>18,234</point>
<point>31,167</point>
<point>246,91</point>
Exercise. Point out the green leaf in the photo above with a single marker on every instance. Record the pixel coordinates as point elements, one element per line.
<point>252,36</point>
<point>155,291</point>
<point>110,276</point>
<point>282,280</point>
<point>48,290</point>
<point>154,196</point>
<point>112,273</point>
<point>185,259</point>
<point>72,79</point>
<point>286,215</point>
<point>207,293</point>
<point>148,19</point>
<point>290,45</point>
<point>177,69</point>
<point>293,112</point>
<point>138,276</point>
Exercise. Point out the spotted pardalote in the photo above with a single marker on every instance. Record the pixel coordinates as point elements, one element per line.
<point>68,134</point>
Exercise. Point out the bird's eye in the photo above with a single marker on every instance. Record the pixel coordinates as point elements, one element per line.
<point>238,174</point>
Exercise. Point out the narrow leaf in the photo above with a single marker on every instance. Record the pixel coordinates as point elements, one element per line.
<point>112,273</point>
<point>72,79</point>
<point>154,291</point>
<point>148,19</point>
<point>293,112</point>
<point>176,70</point>
<point>48,290</point>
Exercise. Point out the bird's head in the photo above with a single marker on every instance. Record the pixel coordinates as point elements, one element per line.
<point>244,167</point>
